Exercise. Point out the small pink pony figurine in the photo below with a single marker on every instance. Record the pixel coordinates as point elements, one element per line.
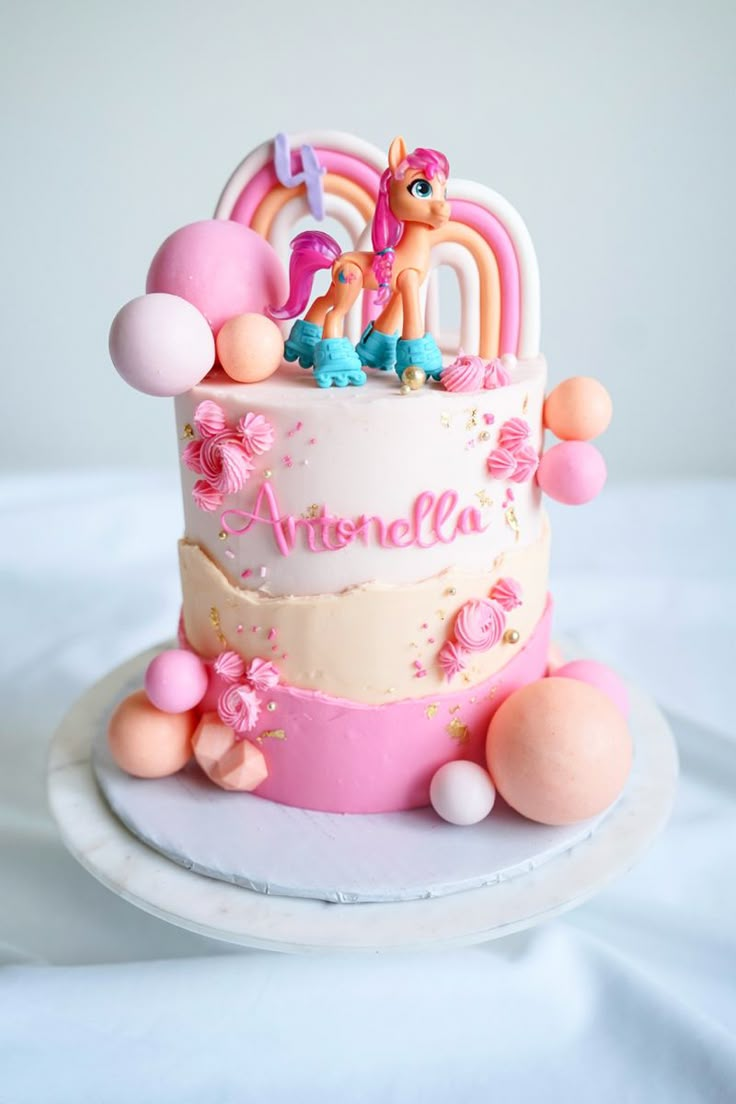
<point>412,204</point>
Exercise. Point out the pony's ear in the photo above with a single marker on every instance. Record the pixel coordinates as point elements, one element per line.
<point>396,153</point>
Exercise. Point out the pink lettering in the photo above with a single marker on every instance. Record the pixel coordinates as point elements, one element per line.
<point>446,503</point>
<point>432,519</point>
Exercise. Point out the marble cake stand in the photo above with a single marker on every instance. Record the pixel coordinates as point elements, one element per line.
<point>553,871</point>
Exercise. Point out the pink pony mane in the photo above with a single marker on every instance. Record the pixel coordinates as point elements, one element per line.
<point>386,229</point>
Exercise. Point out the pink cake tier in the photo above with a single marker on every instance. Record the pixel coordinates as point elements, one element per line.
<point>368,521</point>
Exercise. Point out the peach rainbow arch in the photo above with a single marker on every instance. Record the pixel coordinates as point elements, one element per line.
<point>482,221</point>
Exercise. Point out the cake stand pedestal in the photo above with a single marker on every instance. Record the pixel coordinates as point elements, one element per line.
<point>549,881</point>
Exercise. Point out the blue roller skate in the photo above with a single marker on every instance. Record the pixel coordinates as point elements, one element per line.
<point>421,351</point>
<point>377,349</point>
<point>302,341</point>
<point>337,363</point>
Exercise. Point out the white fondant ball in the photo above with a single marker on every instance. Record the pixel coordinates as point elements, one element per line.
<point>161,344</point>
<point>462,792</point>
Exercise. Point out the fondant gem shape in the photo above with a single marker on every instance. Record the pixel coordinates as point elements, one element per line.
<point>243,767</point>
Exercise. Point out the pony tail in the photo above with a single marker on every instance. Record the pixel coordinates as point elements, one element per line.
<point>385,234</point>
<point>311,251</point>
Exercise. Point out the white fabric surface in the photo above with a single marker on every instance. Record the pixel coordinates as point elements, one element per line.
<point>628,998</point>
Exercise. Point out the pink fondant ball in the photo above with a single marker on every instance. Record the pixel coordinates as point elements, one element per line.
<point>220,266</point>
<point>558,751</point>
<point>161,344</point>
<point>578,409</point>
<point>176,680</point>
<point>573,472</point>
<point>600,676</point>
<point>146,742</point>
<point>250,347</point>
<point>461,792</point>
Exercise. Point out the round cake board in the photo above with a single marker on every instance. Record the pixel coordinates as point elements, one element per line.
<point>420,882</point>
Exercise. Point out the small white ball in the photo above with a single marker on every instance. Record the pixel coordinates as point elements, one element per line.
<point>509,361</point>
<point>462,792</point>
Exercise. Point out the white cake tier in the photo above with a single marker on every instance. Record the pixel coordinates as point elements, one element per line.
<point>365,484</point>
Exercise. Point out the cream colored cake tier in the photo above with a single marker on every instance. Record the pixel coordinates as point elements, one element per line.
<point>363,520</point>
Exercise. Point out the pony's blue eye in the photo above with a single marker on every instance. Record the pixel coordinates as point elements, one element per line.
<point>420,189</point>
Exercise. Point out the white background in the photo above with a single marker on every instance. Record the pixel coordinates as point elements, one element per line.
<point>609,126</point>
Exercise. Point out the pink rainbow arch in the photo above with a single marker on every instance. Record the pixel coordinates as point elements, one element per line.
<point>484,211</point>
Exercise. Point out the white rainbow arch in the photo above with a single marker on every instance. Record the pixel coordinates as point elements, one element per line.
<point>486,242</point>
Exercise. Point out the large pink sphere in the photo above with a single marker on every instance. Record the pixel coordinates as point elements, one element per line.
<point>558,751</point>
<point>220,266</point>
<point>146,742</point>
<point>176,680</point>
<point>578,409</point>
<point>250,347</point>
<point>573,472</point>
<point>161,344</point>
<point>600,676</point>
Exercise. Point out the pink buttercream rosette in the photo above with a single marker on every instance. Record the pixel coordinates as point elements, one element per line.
<point>479,626</point>
<point>513,458</point>
<point>471,373</point>
<point>224,456</point>
<point>239,704</point>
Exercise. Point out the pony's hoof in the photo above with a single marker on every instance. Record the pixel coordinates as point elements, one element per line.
<point>376,349</point>
<point>302,342</point>
<point>422,352</point>
<point>336,364</point>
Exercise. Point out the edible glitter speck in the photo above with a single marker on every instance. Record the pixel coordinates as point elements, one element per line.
<point>451,591</point>
<point>311,511</point>
<point>472,421</point>
<point>217,626</point>
<point>458,730</point>
<point>484,498</point>
<point>512,521</point>
<point>431,711</point>
<point>273,734</point>
<point>229,553</point>
<point>267,473</point>
<point>287,461</point>
<point>445,421</point>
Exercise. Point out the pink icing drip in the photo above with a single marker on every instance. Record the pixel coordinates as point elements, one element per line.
<point>479,624</point>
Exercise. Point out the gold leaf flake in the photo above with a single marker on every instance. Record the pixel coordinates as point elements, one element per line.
<point>441,614</point>
<point>311,511</point>
<point>187,433</point>
<point>431,711</point>
<point>217,625</point>
<point>483,498</point>
<point>458,731</point>
<point>445,420</point>
<point>512,521</point>
<point>273,734</point>
<point>454,709</point>
<point>472,421</point>
<point>525,404</point>
<point>451,591</point>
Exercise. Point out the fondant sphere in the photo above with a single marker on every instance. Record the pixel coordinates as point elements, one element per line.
<point>146,742</point>
<point>573,472</point>
<point>578,409</point>
<point>250,347</point>
<point>600,676</point>
<point>461,792</point>
<point>176,680</point>
<point>558,751</point>
<point>161,344</point>
<point>220,266</point>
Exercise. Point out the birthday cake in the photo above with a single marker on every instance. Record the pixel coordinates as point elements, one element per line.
<point>364,562</point>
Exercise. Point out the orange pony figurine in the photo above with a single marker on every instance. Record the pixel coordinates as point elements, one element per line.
<point>412,204</point>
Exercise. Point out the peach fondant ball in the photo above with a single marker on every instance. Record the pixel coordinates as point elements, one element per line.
<point>250,347</point>
<point>146,742</point>
<point>558,751</point>
<point>578,409</point>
